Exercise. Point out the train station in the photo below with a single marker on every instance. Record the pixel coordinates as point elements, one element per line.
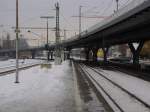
<point>75,56</point>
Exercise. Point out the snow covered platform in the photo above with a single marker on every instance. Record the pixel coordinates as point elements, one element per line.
<point>41,89</point>
<point>44,88</point>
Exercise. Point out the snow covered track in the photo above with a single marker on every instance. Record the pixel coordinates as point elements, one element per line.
<point>11,68</point>
<point>118,97</point>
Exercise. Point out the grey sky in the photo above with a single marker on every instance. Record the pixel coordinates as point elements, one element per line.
<point>31,10</point>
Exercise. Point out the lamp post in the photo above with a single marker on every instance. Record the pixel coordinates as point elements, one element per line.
<point>47,17</point>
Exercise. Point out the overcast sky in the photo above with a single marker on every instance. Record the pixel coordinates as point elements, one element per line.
<point>31,10</point>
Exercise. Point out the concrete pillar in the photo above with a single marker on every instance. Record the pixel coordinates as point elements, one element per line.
<point>33,54</point>
<point>48,54</point>
<point>87,50</point>
<point>95,50</point>
<point>65,55</point>
<point>68,55</point>
<point>13,54</point>
<point>105,51</point>
<point>136,52</point>
<point>51,55</point>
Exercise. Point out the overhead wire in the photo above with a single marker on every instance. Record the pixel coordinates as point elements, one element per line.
<point>67,21</point>
<point>91,9</point>
<point>107,8</point>
<point>126,3</point>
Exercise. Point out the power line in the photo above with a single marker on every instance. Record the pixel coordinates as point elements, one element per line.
<point>67,21</point>
<point>36,28</point>
<point>87,11</point>
<point>93,16</point>
<point>117,4</point>
<point>108,7</point>
<point>34,18</point>
<point>126,3</point>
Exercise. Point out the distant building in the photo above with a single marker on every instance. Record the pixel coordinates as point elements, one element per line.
<point>11,44</point>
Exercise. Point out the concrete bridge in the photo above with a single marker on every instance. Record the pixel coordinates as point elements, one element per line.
<point>129,25</point>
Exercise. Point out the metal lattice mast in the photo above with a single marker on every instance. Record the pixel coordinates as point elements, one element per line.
<point>80,30</point>
<point>58,48</point>
<point>57,23</point>
<point>117,2</point>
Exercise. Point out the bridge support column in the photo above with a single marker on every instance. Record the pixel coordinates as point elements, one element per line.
<point>33,54</point>
<point>136,52</point>
<point>105,51</point>
<point>48,54</point>
<point>95,50</point>
<point>51,55</point>
<point>87,50</point>
<point>68,55</point>
<point>65,55</point>
<point>14,54</point>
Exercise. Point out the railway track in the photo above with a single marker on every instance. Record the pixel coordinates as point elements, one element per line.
<point>120,99</point>
<point>10,69</point>
<point>141,75</point>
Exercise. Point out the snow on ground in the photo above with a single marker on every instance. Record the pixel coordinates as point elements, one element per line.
<point>123,99</point>
<point>86,98</point>
<point>11,64</point>
<point>40,90</point>
<point>136,86</point>
<point>145,62</point>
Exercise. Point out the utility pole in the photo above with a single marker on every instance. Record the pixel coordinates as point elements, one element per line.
<point>1,36</point>
<point>47,17</point>
<point>75,33</point>
<point>57,23</point>
<point>47,32</point>
<point>80,16</point>
<point>116,48</point>
<point>57,48</point>
<point>65,34</point>
<point>17,39</point>
<point>117,3</point>
<point>80,26</point>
